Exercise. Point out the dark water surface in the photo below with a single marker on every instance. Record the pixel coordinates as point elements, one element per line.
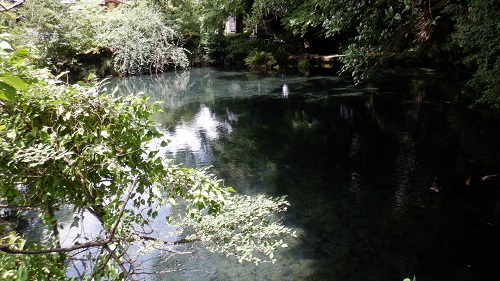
<point>357,164</point>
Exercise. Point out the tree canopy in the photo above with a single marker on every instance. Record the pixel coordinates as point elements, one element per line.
<point>156,35</point>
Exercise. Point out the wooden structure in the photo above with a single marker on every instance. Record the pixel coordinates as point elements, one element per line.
<point>230,25</point>
<point>112,3</point>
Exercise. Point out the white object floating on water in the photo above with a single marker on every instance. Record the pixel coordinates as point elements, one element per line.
<point>488,177</point>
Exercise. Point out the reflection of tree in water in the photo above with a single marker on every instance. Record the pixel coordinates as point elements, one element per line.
<point>238,157</point>
<point>191,137</point>
<point>404,169</point>
<point>165,87</point>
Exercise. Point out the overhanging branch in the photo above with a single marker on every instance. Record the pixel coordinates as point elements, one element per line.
<point>8,249</point>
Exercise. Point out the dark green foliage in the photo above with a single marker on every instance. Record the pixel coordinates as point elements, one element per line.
<point>478,36</point>
<point>64,40</point>
<point>228,50</point>
<point>260,60</point>
<point>234,49</point>
<point>373,34</point>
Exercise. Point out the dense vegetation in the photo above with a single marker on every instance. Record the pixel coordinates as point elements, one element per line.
<point>66,146</point>
<point>75,148</point>
<point>155,35</point>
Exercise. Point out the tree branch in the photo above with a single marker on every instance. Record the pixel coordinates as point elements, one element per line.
<point>8,249</point>
<point>122,209</point>
<point>120,264</point>
<point>177,242</point>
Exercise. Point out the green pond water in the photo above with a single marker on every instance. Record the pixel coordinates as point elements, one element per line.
<point>357,164</point>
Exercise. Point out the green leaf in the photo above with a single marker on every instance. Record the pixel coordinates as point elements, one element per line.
<point>14,81</point>
<point>22,52</point>
<point>22,273</point>
<point>7,92</point>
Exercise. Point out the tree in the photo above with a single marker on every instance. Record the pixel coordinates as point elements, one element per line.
<point>368,32</point>
<point>88,38</point>
<point>64,40</point>
<point>72,146</point>
<point>477,35</point>
<point>140,40</point>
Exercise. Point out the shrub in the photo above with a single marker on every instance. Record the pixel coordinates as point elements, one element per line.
<point>260,60</point>
<point>304,63</point>
<point>141,41</point>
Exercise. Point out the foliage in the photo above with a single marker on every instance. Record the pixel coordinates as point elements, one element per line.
<point>74,146</point>
<point>64,39</point>
<point>210,15</point>
<point>477,34</point>
<point>260,60</point>
<point>304,64</point>
<point>44,267</point>
<point>297,16</point>
<point>370,32</point>
<point>374,33</point>
<point>141,41</point>
<point>86,38</point>
<point>184,17</point>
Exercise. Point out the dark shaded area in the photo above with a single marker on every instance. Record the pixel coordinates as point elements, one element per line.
<point>358,170</point>
<point>357,163</point>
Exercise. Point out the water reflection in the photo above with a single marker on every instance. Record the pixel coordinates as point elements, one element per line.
<point>286,91</point>
<point>192,137</point>
<point>357,163</point>
<point>405,166</point>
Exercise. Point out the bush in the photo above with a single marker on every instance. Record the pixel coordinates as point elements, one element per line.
<point>229,50</point>
<point>261,60</point>
<point>75,147</point>
<point>141,42</point>
<point>84,39</point>
<point>304,63</point>
<point>63,39</point>
<point>478,36</point>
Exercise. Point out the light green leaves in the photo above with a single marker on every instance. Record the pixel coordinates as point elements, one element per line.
<point>7,92</point>
<point>73,146</point>
<point>248,228</point>
<point>14,81</point>
<point>141,41</point>
<point>9,84</point>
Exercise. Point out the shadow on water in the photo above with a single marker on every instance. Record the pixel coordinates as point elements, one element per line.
<point>357,163</point>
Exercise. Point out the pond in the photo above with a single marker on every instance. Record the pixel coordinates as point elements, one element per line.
<point>357,164</point>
